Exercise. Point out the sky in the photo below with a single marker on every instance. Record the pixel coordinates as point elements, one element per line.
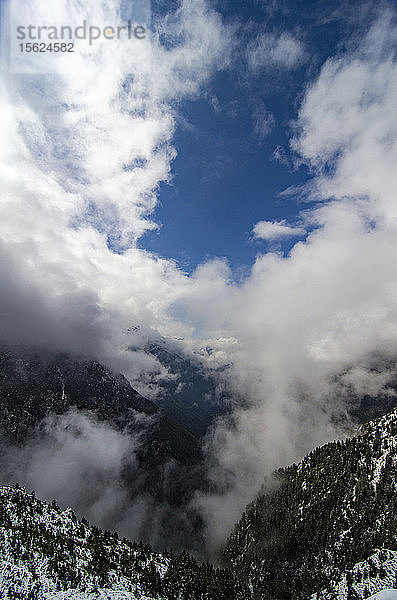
<point>233,144</point>
<point>228,183</point>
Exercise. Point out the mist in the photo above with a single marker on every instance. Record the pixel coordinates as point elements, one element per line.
<point>87,464</point>
<point>86,152</point>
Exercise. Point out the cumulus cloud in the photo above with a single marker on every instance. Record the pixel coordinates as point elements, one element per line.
<point>271,230</point>
<point>87,148</point>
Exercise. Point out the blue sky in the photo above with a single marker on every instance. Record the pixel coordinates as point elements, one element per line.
<point>226,176</point>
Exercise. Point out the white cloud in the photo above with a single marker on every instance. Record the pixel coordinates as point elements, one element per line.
<point>280,155</point>
<point>272,230</point>
<point>363,380</point>
<point>263,121</point>
<point>87,148</point>
<point>75,448</point>
<point>270,50</point>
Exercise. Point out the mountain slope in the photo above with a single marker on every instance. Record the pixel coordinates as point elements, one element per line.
<point>44,552</point>
<point>390,594</point>
<point>375,573</point>
<point>33,384</point>
<point>190,395</point>
<point>159,474</point>
<point>321,517</point>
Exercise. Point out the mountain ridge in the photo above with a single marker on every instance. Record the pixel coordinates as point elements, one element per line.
<point>46,551</point>
<point>324,515</point>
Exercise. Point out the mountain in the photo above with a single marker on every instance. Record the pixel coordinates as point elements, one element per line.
<point>370,391</point>
<point>374,573</point>
<point>48,554</point>
<point>160,475</point>
<point>323,529</point>
<point>314,522</point>
<point>33,384</point>
<point>189,394</point>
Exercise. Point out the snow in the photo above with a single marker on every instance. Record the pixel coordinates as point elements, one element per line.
<point>385,595</point>
<point>364,582</point>
<point>99,594</point>
<point>31,570</point>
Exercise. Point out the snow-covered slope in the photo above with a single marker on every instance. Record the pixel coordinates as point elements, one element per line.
<point>385,595</point>
<point>44,549</point>
<point>366,577</point>
<point>323,517</point>
<point>100,594</point>
<point>47,553</point>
